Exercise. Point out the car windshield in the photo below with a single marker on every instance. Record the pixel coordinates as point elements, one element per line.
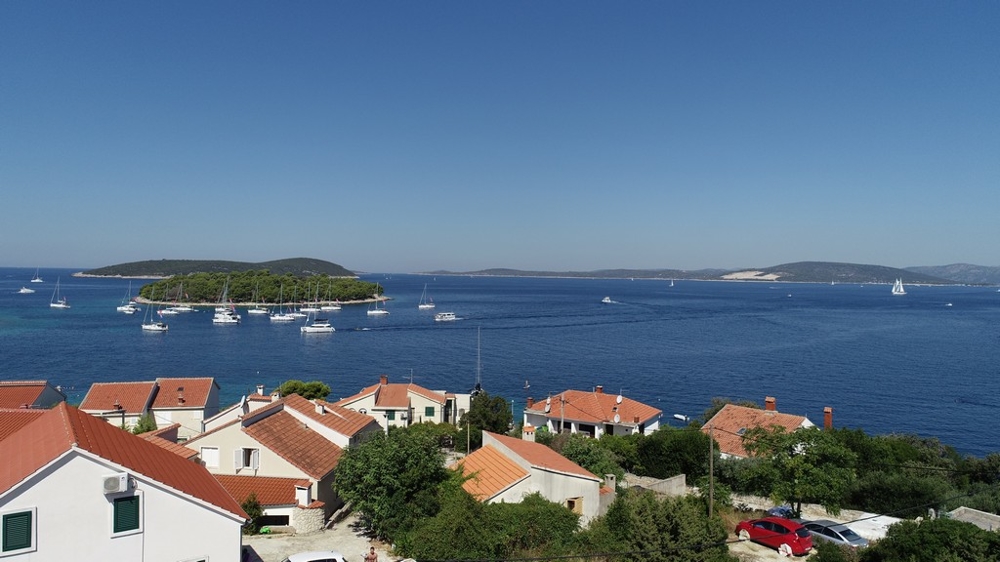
<point>802,532</point>
<point>849,534</point>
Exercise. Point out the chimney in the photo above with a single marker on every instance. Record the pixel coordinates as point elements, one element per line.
<point>275,396</point>
<point>528,433</point>
<point>828,418</point>
<point>531,402</point>
<point>260,389</point>
<point>635,419</point>
<point>599,389</point>
<point>320,409</point>
<point>180,398</point>
<point>611,481</point>
<point>770,404</point>
<point>383,380</point>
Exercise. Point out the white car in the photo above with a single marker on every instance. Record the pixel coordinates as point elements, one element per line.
<point>316,556</point>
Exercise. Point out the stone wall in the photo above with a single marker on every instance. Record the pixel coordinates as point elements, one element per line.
<point>307,520</point>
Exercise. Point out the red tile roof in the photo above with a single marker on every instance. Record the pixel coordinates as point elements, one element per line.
<point>165,437</point>
<point>15,394</point>
<point>491,472</point>
<point>270,491</point>
<point>177,393</point>
<point>64,429</point>
<point>595,408</point>
<point>731,421</point>
<point>394,395</point>
<point>133,397</point>
<point>342,420</point>
<point>290,439</point>
<point>13,419</point>
<point>540,456</point>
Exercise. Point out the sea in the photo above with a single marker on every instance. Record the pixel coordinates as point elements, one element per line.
<point>927,363</point>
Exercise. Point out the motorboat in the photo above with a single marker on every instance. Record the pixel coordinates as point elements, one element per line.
<point>445,317</point>
<point>607,300</point>
<point>226,317</point>
<point>129,308</point>
<point>318,326</point>
<point>25,291</point>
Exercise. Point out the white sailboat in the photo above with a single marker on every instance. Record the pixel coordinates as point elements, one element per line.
<point>225,313</point>
<point>897,288</point>
<point>149,324</point>
<point>36,278</point>
<point>280,315</point>
<point>374,310</point>
<point>58,301</point>
<point>127,306</point>
<point>317,326</point>
<point>257,308</point>
<point>330,305</point>
<point>425,301</point>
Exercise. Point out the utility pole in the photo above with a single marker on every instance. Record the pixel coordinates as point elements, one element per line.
<point>711,470</point>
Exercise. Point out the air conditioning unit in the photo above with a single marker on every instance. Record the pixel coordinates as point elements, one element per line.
<point>116,483</point>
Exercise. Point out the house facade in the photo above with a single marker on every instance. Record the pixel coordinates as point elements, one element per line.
<point>119,403</point>
<point>729,424</point>
<point>506,469</point>
<point>184,401</point>
<point>295,440</point>
<point>402,404</point>
<point>236,411</point>
<point>592,413</point>
<point>77,488</point>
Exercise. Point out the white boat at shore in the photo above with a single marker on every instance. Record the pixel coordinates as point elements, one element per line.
<point>445,317</point>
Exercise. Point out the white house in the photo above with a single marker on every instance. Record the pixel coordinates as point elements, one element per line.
<point>592,413</point>
<point>505,469</point>
<point>73,487</point>
<point>291,442</point>
<point>401,404</point>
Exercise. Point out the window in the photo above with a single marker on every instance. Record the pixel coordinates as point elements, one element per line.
<point>126,514</point>
<point>17,532</point>
<point>210,456</point>
<point>246,458</point>
<point>390,415</point>
<point>575,505</point>
<point>429,412</point>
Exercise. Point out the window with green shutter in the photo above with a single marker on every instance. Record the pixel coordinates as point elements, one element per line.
<point>126,514</point>
<point>16,531</point>
<point>429,412</point>
<point>390,415</point>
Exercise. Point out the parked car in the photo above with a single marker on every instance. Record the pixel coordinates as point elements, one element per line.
<point>784,535</point>
<point>835,532</point>
<point>316,556</point>
<point>785,511</point>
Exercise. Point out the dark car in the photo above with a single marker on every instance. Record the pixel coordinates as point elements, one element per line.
<point>784,535</point>
<point>835,532</point>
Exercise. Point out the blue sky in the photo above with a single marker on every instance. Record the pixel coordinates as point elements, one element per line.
<point>416,136</point>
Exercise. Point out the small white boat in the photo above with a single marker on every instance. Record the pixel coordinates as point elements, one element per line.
<point>167,311</point>
<point>318,326</point>
<point>281,317</point>
<point>155,327</point>
<point>897,288</point>
<point>375,310</point>
<point>445,317</point>
<point>309,309</point>
<point>297,314</point>
<point>36,278</point>
<point>182,308</point>
<point>226,317</point>
<point>128,306</point>
<point>257,310</point>
<point>58,301</point>
<point>329,307</point>
<point>607,300</point>
<point>25,291</point>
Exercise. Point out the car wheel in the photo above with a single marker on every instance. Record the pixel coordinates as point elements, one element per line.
<point>785,550</point>
<point>744,535</point>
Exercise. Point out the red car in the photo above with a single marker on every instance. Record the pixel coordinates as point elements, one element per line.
<point>785,535</point>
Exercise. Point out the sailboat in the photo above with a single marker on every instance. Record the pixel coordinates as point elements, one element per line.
<point>280,315</point>
<point>58,301</point>
<point>671,282</point>
<point>181,307</point>
<point>257,308</point>
<point>330,305</point>
<point>897,287</point>
<point>127,306</point>
<point>225,313</point>
<point>425,301</point>
<point>375,310</point>
<point>36,278</point>
<point>314,306</point>
<point>148,323</point>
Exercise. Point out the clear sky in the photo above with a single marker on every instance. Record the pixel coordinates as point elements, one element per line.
<point>577,135</point>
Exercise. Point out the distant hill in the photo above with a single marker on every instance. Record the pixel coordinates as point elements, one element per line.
<point>962,273</point>
<point>802,272</point>
<point>300,267</point>
<point>598,274</point>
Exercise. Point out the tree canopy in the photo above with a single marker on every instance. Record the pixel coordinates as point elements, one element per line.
<point>308,390</point>
<point>258,286</point>
<point>489,413</point>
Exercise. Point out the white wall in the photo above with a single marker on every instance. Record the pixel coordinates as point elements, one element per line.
<point>230,439</point>
<point>74,519</point>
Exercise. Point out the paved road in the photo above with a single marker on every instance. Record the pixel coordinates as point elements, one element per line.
<point>343,537</point>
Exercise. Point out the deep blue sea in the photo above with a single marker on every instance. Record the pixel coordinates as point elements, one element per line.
<point>926,363</point>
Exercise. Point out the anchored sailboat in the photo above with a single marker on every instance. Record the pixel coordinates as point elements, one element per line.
<point>897,287</point>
